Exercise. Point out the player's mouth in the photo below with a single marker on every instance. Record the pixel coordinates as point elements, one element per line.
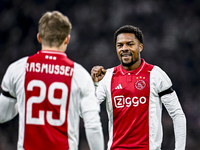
<point>126,55</point>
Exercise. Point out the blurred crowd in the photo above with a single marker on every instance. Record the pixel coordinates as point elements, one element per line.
<point>171,31</point>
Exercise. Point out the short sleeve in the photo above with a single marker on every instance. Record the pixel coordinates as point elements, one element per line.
<point>161,80</point>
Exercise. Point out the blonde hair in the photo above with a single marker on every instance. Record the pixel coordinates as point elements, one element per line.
<point>53,28</point>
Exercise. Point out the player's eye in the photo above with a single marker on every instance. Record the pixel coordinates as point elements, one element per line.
<point>119,45</point>
<point>130,44</point>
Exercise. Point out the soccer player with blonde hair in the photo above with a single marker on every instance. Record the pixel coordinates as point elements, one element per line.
<point>50,92</point>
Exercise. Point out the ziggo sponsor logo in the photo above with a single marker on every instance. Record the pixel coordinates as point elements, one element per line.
<point>121,101</point>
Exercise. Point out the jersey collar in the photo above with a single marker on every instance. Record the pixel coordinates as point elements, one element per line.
<point>52,52</point>
<point>136,71</point>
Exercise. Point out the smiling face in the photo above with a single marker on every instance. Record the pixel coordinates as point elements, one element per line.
<point>128,50</point>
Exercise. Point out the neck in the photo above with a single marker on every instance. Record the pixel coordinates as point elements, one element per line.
<point>134,66</point>
<point>62,48</point>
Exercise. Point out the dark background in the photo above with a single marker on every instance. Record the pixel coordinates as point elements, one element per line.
<point>172,41</point>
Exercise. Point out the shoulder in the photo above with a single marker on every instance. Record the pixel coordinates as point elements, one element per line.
<point>107,78</point>
<point>19,62</point>
<point>81,75</point>
<point>82,81</point>
<point>160,78</point>
<point>13,73</point>
<point>109,73</point>
<point>157,71</point>
<point>17,66</point>
<point>80,70</point>
<point>110,70</point>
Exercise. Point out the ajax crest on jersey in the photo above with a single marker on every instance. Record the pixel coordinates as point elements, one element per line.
<point>140,84</point>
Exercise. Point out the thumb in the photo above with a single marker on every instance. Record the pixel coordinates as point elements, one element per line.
<point>103,71</point>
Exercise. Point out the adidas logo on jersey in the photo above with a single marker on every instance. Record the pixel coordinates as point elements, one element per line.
<point>119,86</point>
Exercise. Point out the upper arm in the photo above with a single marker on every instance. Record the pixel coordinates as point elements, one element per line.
<point>7,85</point>
<point>88,101</point>
<point>12,77</point>
<point>162,83</point>
<point>164,90</point>
<point>8,101</point>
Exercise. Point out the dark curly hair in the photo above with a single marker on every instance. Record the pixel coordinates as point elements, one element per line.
<point>130,29</point>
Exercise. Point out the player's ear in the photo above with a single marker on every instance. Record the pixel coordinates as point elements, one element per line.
<point>38,38</point>
<point>141,47</point>
<point>67,39</point>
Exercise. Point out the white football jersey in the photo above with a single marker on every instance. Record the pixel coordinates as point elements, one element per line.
<point>134,104</point>
<point>51,92</point>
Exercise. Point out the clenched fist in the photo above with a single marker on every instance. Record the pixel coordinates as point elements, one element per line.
<point>97,73</point>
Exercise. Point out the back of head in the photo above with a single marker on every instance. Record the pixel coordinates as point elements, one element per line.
<point>53,28</point>
<point>130,29</point>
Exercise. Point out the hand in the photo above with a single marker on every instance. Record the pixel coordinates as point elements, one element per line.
<point>97,73</point>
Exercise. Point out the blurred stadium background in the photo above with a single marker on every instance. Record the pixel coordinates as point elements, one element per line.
<point>172,41</point>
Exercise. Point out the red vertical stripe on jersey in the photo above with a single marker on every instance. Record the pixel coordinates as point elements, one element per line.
<point>130,98</point>
<point>47,87</point>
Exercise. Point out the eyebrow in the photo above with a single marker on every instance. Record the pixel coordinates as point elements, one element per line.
<point>126,42</point>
